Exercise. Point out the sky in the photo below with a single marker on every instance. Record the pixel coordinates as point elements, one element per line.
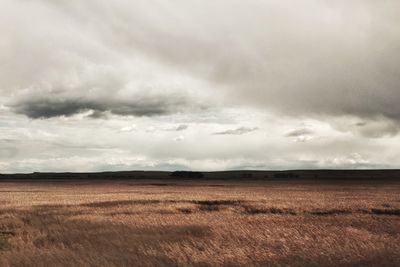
<point>95,85</point>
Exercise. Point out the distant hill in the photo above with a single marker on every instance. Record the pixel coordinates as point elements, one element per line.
<point>221,175</point>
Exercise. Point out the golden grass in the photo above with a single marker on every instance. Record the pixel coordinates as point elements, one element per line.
<point>132,223</point>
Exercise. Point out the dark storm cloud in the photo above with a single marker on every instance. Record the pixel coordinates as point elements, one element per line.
<point>48,108</point>
<point>237,131</point>
<point>313,58</point>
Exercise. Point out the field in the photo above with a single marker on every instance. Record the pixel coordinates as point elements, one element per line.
<point>209,223</point>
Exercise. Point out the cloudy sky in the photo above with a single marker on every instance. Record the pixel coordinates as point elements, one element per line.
<point>90,85</point>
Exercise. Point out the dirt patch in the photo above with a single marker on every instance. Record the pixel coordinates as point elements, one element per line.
<point>185,210</point>
<point>328,212</point>
<point>215,205</point>
<point>392,212</point>
<point>268,210</point>
<point>217,202</point>
<point>108,204</point>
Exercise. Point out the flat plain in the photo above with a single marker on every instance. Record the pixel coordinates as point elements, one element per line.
<point>199,223</point>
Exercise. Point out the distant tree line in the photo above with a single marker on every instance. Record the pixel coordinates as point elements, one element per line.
<point>187,174</point>
<point>286,175</point>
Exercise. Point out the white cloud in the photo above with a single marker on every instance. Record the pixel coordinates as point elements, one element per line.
<point>129,128</point>
<point>179,138</point>
<point>351,160</point>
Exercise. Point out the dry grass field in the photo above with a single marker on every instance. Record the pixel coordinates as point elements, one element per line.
<point>133,223</point>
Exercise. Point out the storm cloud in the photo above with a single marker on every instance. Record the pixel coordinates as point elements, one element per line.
<point>80,66</point>
<point>48,108</point>
<point>310,57</point>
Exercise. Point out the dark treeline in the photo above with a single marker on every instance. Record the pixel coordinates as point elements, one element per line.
<point>222,175</point>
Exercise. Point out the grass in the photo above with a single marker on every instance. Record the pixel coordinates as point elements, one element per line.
<point>160,224</point>
<point>4,245</point>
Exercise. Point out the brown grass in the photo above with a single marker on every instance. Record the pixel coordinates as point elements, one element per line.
<point>200,224</point>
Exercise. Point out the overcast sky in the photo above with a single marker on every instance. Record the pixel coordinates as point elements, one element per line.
<point>91,85</point>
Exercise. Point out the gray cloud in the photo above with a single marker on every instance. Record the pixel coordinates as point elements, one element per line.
<point>313,58</point>
<point>207,64</point>
<point>237,131</point>
<point>302,134</point>
<point>181,127</point>
<point>48,108</point>
<point>299,132</point>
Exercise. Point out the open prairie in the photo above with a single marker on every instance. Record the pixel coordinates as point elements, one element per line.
<point>209,223</point>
